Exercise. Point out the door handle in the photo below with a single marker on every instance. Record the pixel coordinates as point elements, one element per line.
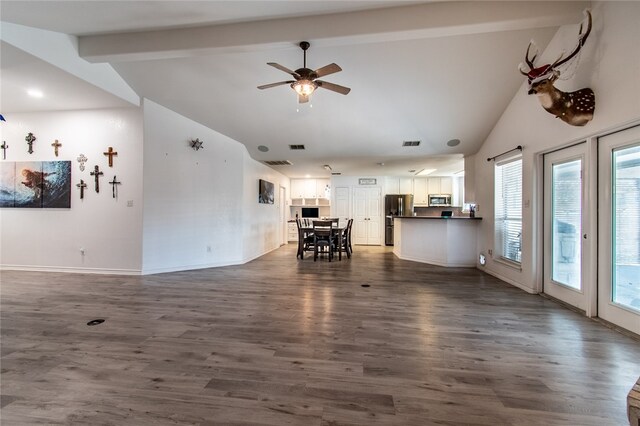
<point>584,236</point>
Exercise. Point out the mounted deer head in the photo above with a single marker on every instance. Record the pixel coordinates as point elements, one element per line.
<point>575,108</point>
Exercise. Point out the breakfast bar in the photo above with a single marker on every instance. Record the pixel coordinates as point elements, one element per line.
<point>442,241</point>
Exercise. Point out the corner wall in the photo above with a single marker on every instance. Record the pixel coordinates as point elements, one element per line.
<point>610,65</point>
<point>108,231</point>
<point>201,207</point>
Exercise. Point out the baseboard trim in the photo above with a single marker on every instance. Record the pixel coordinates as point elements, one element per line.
<point>70,270</point>
<point>508,281</point>
<point>436,263</point>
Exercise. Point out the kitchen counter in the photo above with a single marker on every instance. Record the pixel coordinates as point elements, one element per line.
<point>442,241</point>
<point>438,217</point>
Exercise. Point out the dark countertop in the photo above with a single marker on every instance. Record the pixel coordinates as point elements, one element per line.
<point>438,217</point>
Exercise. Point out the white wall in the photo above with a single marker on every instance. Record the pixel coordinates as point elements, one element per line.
<point>261,229</point>
<point>108,230</point>
<point>610,65</point>
<point>201,207</point>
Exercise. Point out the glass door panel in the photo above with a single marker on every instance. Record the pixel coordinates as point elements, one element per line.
<point>625,289</point>
<point>619,228</point>
<point>566,222</point>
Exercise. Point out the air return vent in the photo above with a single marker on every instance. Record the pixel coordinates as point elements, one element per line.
<point>336,174</point>
<point>296,147</point>
<point>278,163</point>
<point>411,143</point>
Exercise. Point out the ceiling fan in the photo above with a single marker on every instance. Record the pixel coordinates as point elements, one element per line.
<point>306,80</point>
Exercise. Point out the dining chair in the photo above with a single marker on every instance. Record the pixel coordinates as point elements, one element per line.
<point>305,239</point>
<point>343,244</point>
<point>322,237</point>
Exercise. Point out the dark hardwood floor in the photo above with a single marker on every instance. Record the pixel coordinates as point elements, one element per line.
<point>280,341</point>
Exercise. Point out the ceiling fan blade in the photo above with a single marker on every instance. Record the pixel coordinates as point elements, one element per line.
<point>328,69</point>
<point>333,87</point>
<point>303,99</point>
<point>280,83</point>
<point>285,69</point>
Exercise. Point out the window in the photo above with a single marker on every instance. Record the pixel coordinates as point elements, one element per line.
<point>508,209</point>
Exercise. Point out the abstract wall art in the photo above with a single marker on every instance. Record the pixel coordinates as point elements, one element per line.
<point>265,194</point>
<point>35,184</point>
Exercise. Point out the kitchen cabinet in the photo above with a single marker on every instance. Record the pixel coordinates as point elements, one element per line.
<point>392,185</point>
<point>439,185</point>
<point>420,192</point>
<point>323,188</point>
<point>292,231</point>
<point>297,188</point>
<point>309,188</point>
<point>406,186</point>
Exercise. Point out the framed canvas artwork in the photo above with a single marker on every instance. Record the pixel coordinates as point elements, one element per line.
<point>35,184</point>
<point>265,192</point>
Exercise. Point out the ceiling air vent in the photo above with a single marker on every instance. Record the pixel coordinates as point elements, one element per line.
<point>411,143</point>
<point>278,163</point>
<point>336,174</point>
<point>296,147</point>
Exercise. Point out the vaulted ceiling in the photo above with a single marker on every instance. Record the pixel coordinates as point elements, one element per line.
<point>427,71</point>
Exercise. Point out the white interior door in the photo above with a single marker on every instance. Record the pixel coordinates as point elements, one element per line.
<point>565,224</point>
<point>367,213</point>
<point>619,229</point>
<point>282,205</point>
<point>374,213</point>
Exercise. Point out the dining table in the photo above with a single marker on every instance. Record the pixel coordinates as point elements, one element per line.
<point>306,230</point>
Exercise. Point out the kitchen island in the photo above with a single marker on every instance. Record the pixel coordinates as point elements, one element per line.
<point>436,240</point>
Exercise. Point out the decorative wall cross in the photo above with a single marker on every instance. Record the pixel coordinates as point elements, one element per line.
<point>110,153</point>
<point>114,188</point>
<point>55,146</point>
<point>82,186</point>
<point>97,173</point>
<point>4,147</point>
<point>82,159</point>
<point>30,140</point>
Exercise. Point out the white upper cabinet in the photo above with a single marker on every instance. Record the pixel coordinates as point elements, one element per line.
<point>391,185</point>
<point>420,192</point>
<point>323,188</point>
<point>297,188</point>
<point>406,186</point>
<point>446,185</point>
<point>310,188</point>
<point>440,185</point>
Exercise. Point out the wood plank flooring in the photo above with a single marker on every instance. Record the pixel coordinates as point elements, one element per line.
<point>281,341</point>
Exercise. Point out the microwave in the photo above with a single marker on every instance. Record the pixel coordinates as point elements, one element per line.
<point>439,200</point>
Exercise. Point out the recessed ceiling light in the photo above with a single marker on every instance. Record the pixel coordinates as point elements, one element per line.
<point>425,172</point>
<point>453,142</point>
<point>35,93</point>
<point>263,148</point>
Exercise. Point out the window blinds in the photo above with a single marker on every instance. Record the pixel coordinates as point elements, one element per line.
<point>508,209</point>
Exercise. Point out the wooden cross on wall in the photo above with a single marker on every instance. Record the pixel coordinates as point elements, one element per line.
<point>110,153</point>
<point>55,146</point>
<point>114,189</point>
<point>82,186</point>
<point>97,173</point>
<point>4,147</point>
<point>30,138</point>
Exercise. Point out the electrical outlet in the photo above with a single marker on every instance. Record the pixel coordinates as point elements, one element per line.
<point>208,249</point>
<point>82,251</point>
<point>490,252</point>
<point>130,203</point>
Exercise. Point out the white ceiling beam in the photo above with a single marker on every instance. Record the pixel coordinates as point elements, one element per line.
<point>378,25</point>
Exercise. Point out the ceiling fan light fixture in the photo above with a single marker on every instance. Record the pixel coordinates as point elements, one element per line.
<point>304,87</point>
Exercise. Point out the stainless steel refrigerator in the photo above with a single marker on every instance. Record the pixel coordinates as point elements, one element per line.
<point>395,205</point>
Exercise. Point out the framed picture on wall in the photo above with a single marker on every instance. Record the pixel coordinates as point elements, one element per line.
<point>265,192</point>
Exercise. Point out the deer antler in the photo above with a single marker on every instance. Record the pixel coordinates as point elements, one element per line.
<point>529,62</point>
<point>581,39</point>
